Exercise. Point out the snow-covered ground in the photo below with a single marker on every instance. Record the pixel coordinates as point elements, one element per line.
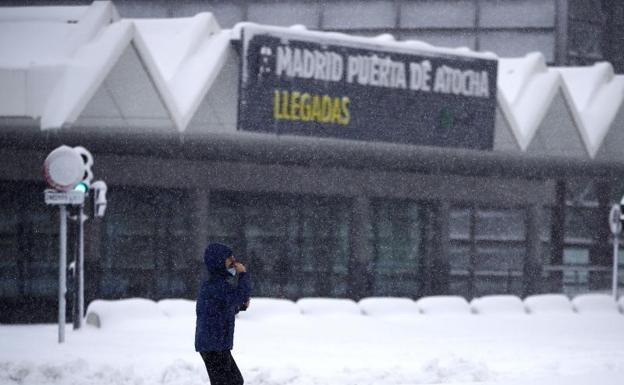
<point>308,343</point>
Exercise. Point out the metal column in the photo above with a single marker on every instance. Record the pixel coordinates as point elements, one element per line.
<point>80,268</point>
<point>62,271</point>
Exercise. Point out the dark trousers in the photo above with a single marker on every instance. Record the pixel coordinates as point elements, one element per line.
<point>222,369</point>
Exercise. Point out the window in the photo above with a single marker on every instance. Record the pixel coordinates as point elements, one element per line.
<point>488,249</point>
<point>28,242</point>
<point>508,43</point>
<point>585,223</point>
<point>42,249</point>
<point>325,237</point>
<point>294,12</point>
<point>145,250</point>
<point>359,14</point>
<point>433,14</point>
<point>580,224</point>
<point>399,238</point>
<point>9,253</point>
<point>517,13</point>
<point>584,218</point>
<point>500,225</point>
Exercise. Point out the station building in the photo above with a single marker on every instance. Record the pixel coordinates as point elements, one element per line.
<point>362,162</point>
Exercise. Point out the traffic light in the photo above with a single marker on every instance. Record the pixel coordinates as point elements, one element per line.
<point>87,176</point>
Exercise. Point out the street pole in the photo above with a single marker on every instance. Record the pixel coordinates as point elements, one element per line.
<point>616,248</point>
<point>615,224</point>
<point>80,267</point>
<point>62,271</point>
<point>68,172</point>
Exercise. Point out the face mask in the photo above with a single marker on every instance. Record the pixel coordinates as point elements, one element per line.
<point>232,271</point>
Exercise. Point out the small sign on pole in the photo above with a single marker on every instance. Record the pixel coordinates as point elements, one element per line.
<point>73,197</point>
<point>615,224</point>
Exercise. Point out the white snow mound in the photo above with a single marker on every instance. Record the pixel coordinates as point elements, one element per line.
<point>548,303</point>
<point>444,304</point>
<point>108,312</point>
<point>177,307</point>
<point>497,304</point>
<point>381,306</point>
<point>595,303</point>
<point>269,307</point>
<point>328,306</point>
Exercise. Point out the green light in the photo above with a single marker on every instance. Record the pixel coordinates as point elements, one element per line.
<point>82,186</point>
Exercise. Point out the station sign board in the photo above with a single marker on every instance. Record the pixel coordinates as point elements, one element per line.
<point>331,85</point>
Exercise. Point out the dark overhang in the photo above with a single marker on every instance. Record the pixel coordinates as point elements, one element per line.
<point>314,152</point>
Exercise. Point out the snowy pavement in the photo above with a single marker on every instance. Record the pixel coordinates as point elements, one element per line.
<point>329,349</point>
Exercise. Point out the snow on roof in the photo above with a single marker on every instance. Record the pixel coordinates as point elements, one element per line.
<point>83,73</point>
<point>597,94</point>
<point>184,57</point>
<point>527,88</point>
<point>49,63</point>
<point>386,40</point>
<point>55,58</point>
<point>57,63</point>
<point>527,92</point>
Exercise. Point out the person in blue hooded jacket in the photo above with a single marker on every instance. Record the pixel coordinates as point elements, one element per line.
<point>220,297</point>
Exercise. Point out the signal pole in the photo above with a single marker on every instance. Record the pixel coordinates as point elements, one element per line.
<point>62,271</point>
<point>65,169</point>
<point>80,268</point>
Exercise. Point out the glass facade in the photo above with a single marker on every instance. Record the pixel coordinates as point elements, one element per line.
<point>294,245</point>
<point>297,246</point>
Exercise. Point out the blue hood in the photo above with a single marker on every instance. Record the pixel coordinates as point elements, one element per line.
<point>215,256</point>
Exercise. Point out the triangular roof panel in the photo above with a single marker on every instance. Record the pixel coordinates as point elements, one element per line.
<point>127,99</point>
<point>527,91</point>
<point>505,136</point>
<point>598,95</point>
<point>83,74</point>
<point>184,57</point>
<point>558,133</point>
